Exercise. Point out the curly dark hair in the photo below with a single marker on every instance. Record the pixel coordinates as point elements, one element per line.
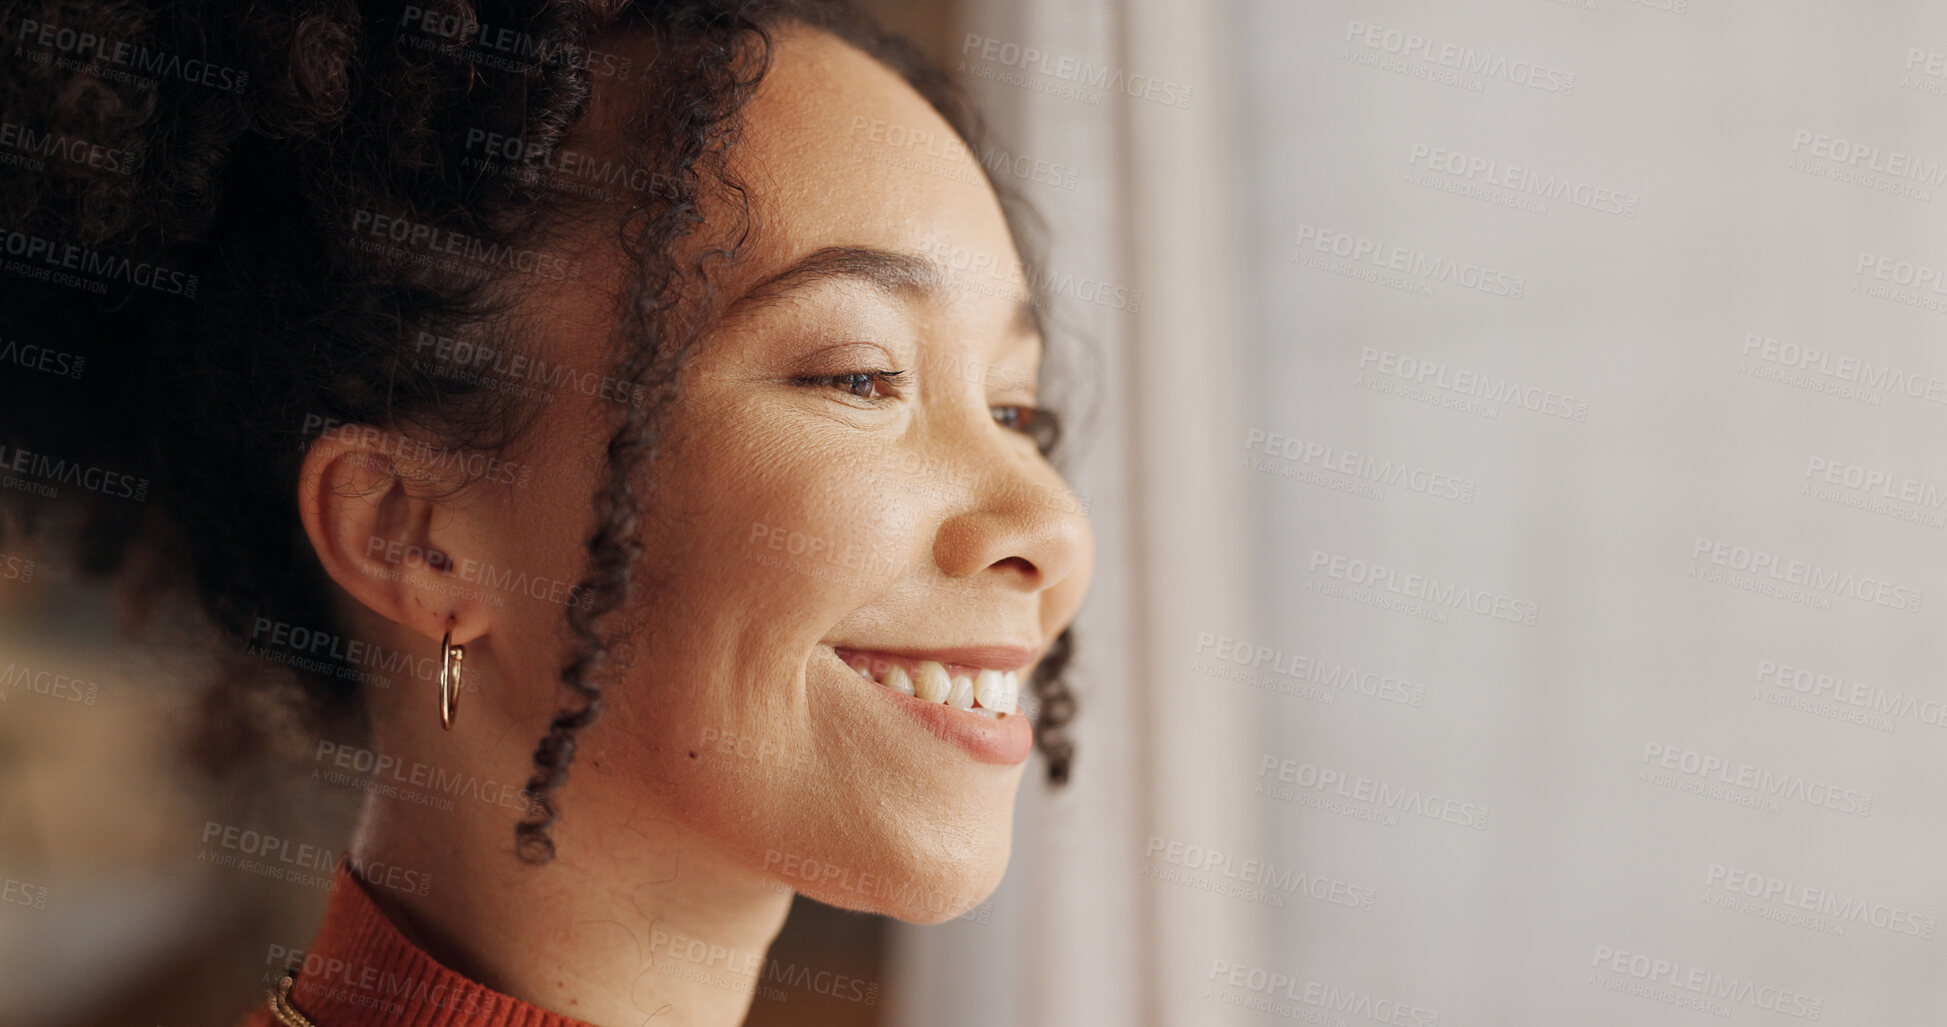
<point>189,205</point>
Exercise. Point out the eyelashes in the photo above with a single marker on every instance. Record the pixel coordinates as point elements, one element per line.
<point>1038,423</point>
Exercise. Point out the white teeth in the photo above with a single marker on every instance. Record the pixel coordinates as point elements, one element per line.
<point>988,688</point>
<point>931,684</point>
<point>961,695</point>
<point>996,693</point>
<point>983,712</point>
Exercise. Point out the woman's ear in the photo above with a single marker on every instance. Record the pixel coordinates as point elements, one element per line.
<point>386,527</point>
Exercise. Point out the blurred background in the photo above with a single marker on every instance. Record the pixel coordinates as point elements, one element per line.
<point>1511,434</point>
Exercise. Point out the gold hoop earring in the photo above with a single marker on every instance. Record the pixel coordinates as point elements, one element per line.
<point>450,656</point>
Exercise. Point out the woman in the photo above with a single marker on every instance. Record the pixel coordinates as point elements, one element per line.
<point>659,378</point>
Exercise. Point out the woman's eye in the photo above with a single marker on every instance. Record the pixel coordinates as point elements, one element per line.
<point>1016,417</point>
<point>860,384</point>
<point>1037,423</point>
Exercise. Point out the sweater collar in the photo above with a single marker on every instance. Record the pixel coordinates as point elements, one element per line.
<point>361,972</point>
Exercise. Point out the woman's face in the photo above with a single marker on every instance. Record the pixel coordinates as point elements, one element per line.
<point>803,512</point>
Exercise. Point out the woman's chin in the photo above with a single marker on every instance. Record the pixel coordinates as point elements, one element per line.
<point>920,891</point>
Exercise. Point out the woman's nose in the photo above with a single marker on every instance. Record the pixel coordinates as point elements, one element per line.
<point>1023,525</point>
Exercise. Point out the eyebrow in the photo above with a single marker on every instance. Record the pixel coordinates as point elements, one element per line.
<point>900,274</point>
<point>904,275</point>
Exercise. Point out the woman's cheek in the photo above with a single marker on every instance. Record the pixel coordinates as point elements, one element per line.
<point>829,524</point>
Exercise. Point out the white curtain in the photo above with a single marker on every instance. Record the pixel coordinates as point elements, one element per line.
<point>1521,498</point>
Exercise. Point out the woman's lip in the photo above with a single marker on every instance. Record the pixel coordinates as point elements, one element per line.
<point>1001,741</point>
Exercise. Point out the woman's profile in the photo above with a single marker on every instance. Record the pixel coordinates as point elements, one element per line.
<point>600,400</point>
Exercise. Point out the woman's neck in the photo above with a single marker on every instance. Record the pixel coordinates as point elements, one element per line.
<point>634,919</point>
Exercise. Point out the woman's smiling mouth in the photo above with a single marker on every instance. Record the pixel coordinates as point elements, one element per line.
<point>962,679</point>
<point>973,705</point>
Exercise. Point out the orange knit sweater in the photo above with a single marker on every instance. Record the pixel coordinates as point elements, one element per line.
<point>361,972</point>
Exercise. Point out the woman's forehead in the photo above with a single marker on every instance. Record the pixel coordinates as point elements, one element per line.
<point>838,150</point>
<point>838,153</point>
